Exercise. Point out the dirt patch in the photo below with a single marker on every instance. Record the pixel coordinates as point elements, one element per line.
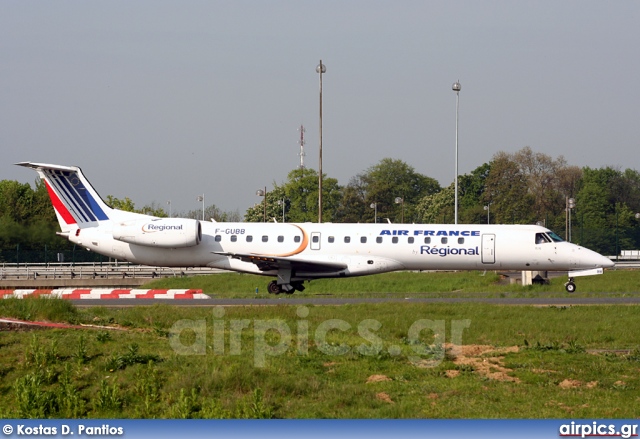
<point>377,379</point>
<point>383,396</point>
<point>487,361</point>
<point>570,384</point>
<point>451,373</point>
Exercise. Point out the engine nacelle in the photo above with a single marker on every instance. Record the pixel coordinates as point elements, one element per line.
<point>161,232</point>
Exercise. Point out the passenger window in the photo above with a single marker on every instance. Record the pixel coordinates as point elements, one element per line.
<point>280,238</point>
<point>427,240</point>
<point>296,239</point>
<point>460,240</point>
<point>347,239</point>
<point>379,239</point>
<point>218,238</point>
<point>394,240</point>
<point>315,238</point>
<point>234,238</point>
<point>444,240</point>
<point>331,239</point>
<point>249,238</point>
<point>363,239</point>
<point>265,238</point>
<point>410,240</point>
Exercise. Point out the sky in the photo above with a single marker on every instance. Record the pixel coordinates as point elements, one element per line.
<point>166,100</point>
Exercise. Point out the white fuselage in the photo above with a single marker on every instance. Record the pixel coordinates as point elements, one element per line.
<point>362,248</point>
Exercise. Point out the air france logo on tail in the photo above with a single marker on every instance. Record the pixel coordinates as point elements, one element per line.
<point>71,199</point>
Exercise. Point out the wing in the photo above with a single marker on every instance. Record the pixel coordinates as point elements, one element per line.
<point>269,262</point>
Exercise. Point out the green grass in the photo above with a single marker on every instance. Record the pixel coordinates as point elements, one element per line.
<point>253,362</point>
<point>41,309</point>
<point>428,284</point>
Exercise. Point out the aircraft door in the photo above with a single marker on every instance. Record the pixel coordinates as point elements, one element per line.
<point>488,248</point>
<point>315,241</point>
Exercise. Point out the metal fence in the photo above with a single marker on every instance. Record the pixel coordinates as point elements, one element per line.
<point>93,270</point>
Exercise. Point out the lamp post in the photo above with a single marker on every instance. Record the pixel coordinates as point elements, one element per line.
<point>201,198</point>
<point>488,214</point>
<point>456,87</point>
<point>263,193</point>
<point>321,68</point>
<point>282,202</point>
<point>374,206</point>
<point>169,204</point>
<point>400,200</point>
<point>570,203</point>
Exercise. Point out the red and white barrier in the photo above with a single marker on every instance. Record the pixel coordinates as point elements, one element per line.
<point>105,293</point>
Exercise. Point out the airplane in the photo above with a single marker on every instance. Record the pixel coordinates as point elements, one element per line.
<point>297,252</point>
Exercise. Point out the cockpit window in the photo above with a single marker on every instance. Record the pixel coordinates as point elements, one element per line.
<point>555,237</point>
<point>542,238</point>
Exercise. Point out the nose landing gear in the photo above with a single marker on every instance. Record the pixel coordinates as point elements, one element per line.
<point>570,286</point>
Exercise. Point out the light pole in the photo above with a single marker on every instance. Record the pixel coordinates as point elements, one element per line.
<point>169,203</point>
<point>263,193</point>
<point>283,205</point>
<point>400,200</point>
<point>570,203</point>
<point>456,87</point>
<point>488,214</point>
<point>374,206</point>
<point>201,198</point>
<point>321,68</point>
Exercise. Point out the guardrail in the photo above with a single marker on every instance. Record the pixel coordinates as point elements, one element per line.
<point>96,270</point>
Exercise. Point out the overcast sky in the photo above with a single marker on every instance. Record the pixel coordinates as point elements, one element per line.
<point>165,100</point>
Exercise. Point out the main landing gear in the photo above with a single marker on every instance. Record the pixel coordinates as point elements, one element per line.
<point>274,288</point>
<point>570,286</point>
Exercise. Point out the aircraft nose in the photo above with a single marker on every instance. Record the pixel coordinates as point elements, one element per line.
<point>607,263</point>
<point>600,261</point>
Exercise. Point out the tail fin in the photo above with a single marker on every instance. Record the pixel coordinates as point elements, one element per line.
<point>76,202</point>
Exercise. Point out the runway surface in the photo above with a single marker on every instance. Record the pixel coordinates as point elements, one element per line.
<point>334,301</point>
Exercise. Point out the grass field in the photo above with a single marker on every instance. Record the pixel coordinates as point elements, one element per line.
<point>391,360</point>
<point>428,284</point>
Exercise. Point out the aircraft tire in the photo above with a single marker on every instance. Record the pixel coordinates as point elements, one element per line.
<point>274,288</point>
<point>570,287</point>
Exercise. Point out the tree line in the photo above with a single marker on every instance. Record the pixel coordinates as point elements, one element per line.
<point>524,187</point>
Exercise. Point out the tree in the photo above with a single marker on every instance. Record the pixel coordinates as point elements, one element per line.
<point>382,184</point>
<point>121,204</point>
<point>506,189</point>
<point>471,201</point>
<point>353,205</point>
<point>607,223</point>
<point>300,195</point>
<point>437,208</point>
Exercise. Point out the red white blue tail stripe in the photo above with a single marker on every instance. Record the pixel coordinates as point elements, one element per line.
<point>75,201</point>
<point>73,197</point>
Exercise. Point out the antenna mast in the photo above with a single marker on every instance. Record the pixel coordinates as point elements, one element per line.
<point>301,143</point>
